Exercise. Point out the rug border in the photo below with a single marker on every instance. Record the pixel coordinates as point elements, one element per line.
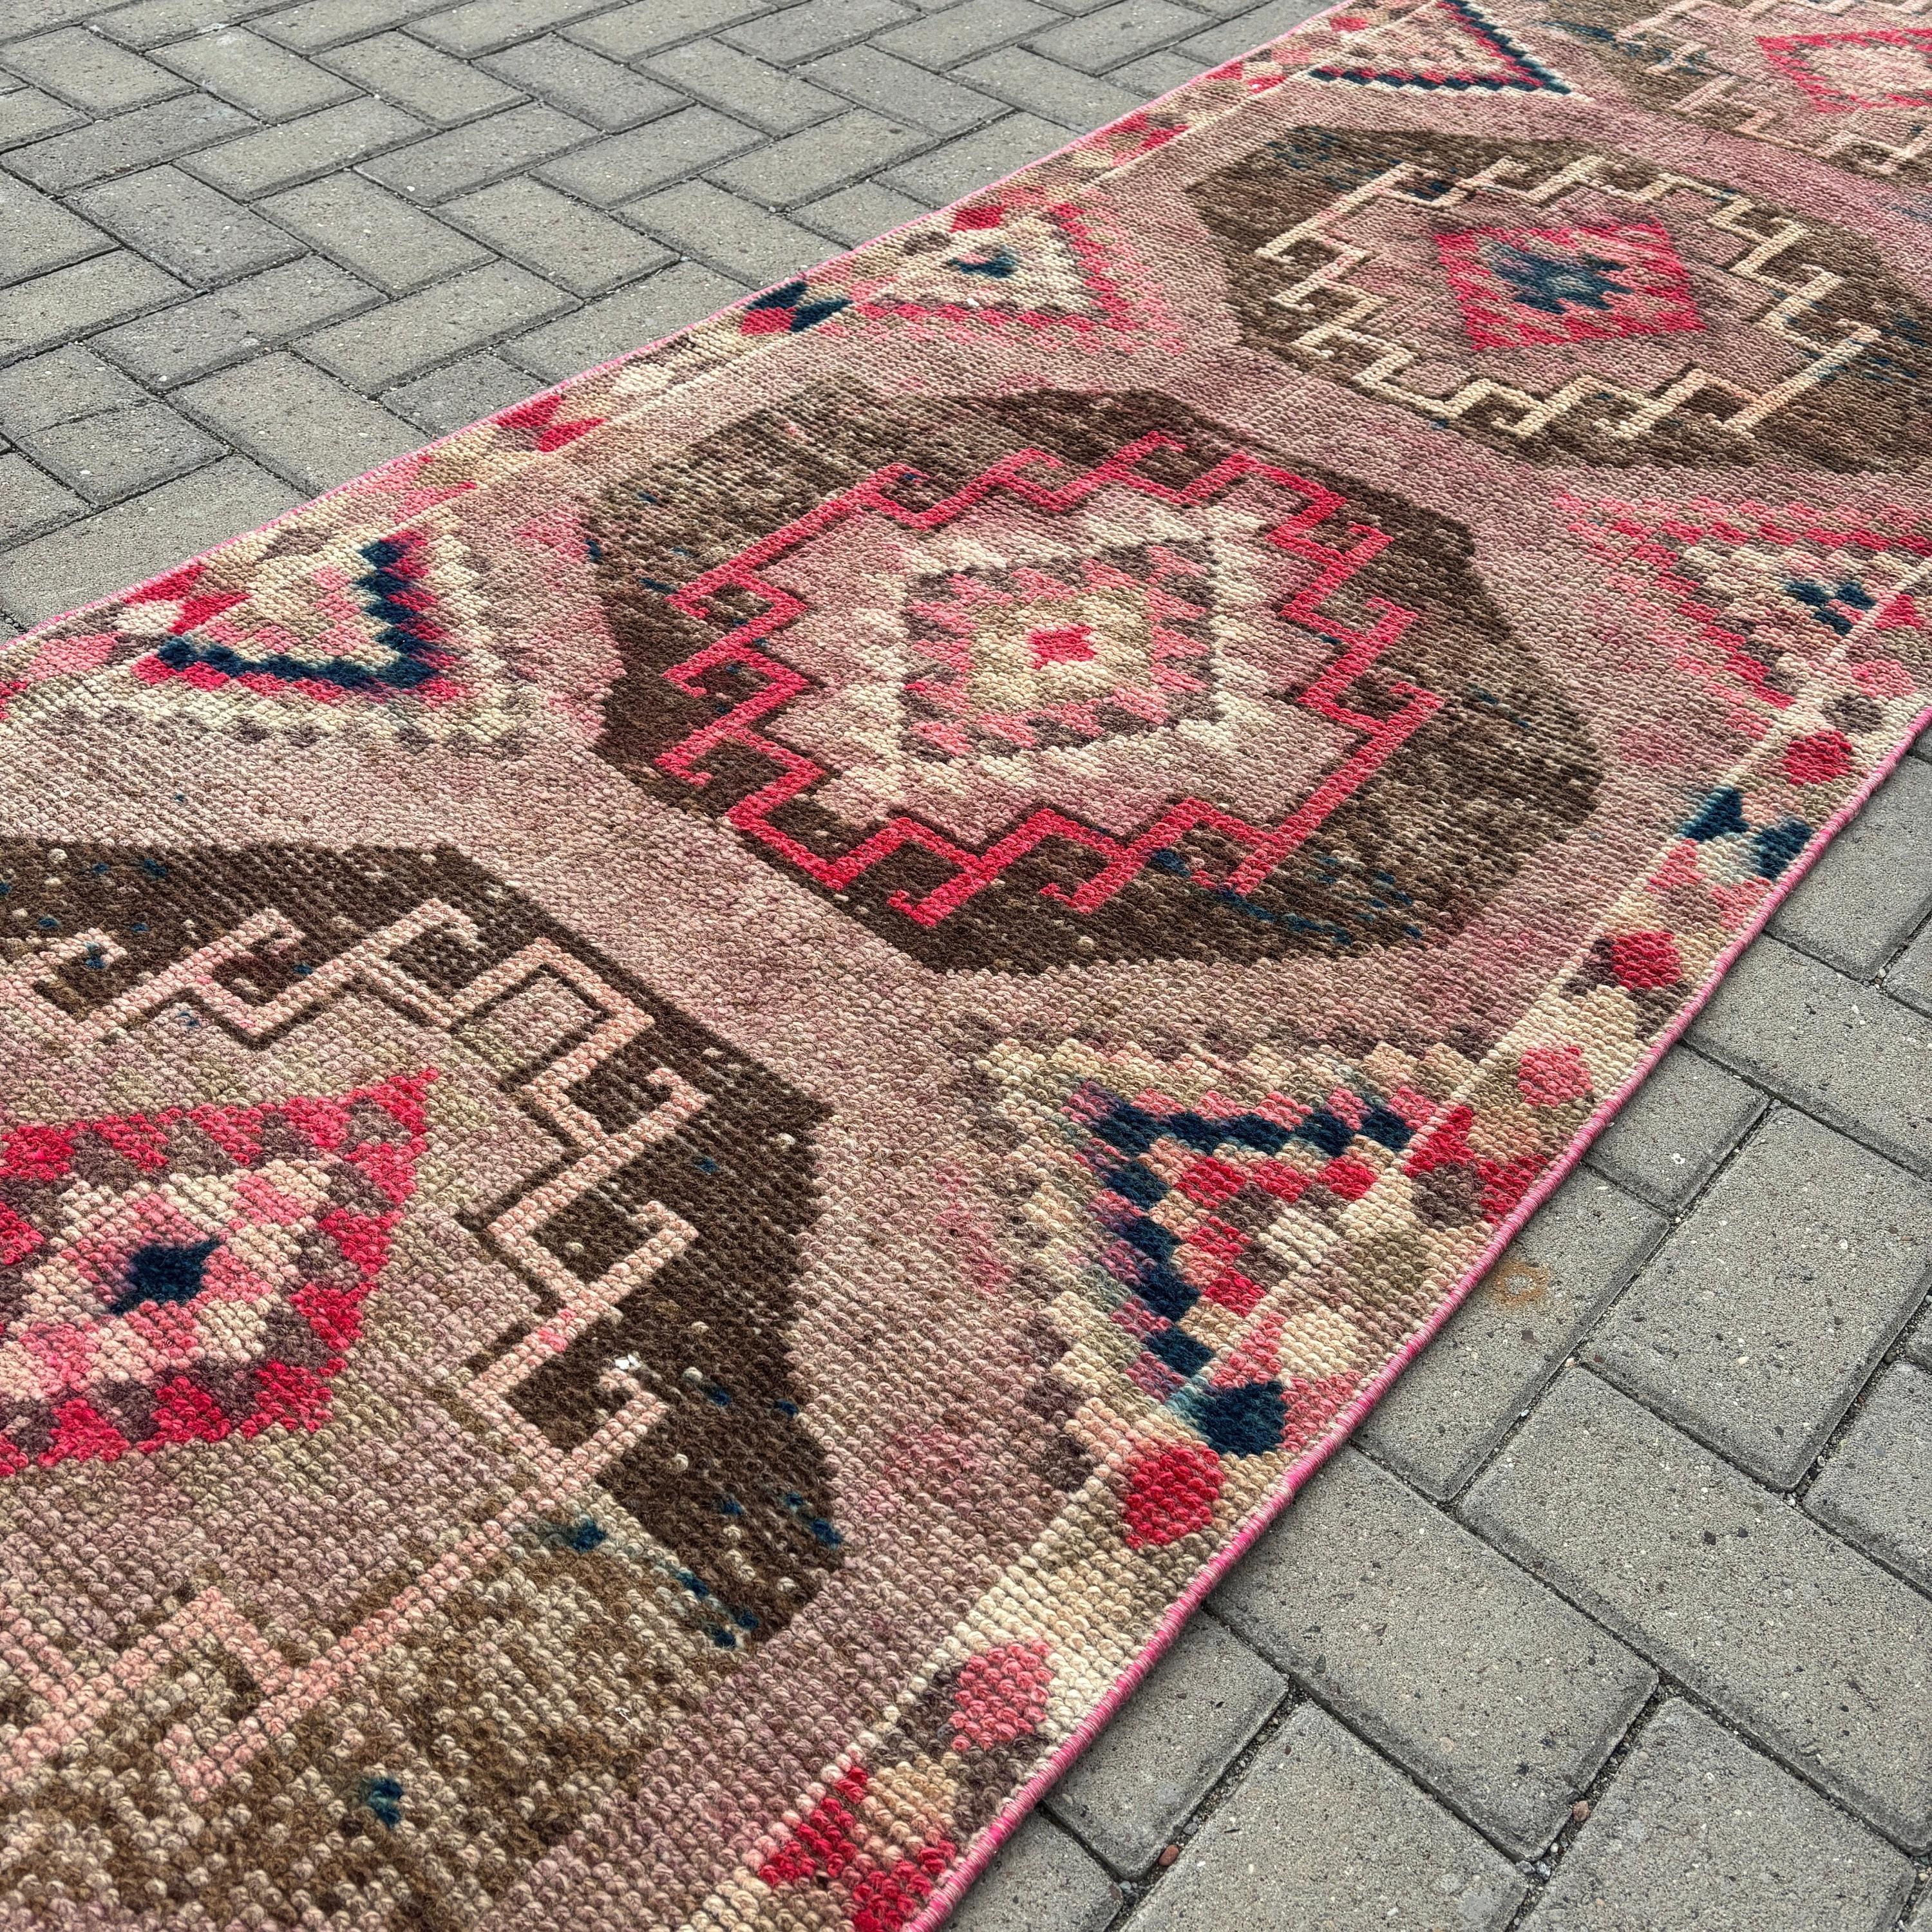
<point>1014,1813</point>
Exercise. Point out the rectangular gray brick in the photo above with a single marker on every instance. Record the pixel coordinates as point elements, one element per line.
<point>1910,979</point>
<point>1076,100</point>
<point>1155,74</point>
<point>58,386</point>
<point>647,25</point>
<point>22,17</point>
<point>483,151</point>
<point>556,238</point>
<point>797,33</point>
<point>1817,1653</point>
<point>1133,1788</point>
<point>116,452</point>
<point>1307,1842</point>
<point>622,166</point>
<point>803,166</point>
<point>255,75</point>
<point>75,302</point>
<point>388,345</point>
<point>186,227</point>
<point>709,71</point>
<point>601,91</point>
<point>153,23</point>
<point>460,393</point>
<point>37,234</point>
<point>293,419</point>
<point>1759,1320</point>
<point>944,40</point>
<point>482,26</point>
<point>195,338</point>
<point>1877,1489</point>
<point>31,501</point>
<point>138,140</point>
<point>27,115</point>
<point>1251,29</point>
<point>299,151</point>
<point>97,556</point>
<point>1451,1408</point>
<point>856,215</point>
<point>373,233</point>
<point>644,312</point>
<point>1115,34</point>
<point>1865,898</point>
<point>1842,1050</point>
<point>709,225</point>
<point>420,80</point>
<point>1666,1140</point>
<point>1039,1880</point>
<point>1489,1687</point>
<point>317,24</point>
<point>902,91</point>
<point>89,71</point>
<point>988,154</point>
<point>1699,1830</point>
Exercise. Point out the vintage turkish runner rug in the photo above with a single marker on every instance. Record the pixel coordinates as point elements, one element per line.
<point>707,1093</point>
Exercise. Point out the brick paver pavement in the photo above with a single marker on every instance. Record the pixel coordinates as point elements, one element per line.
<point>1618,1614</point>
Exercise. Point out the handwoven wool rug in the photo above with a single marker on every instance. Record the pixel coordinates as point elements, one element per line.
<point>707,1093</point>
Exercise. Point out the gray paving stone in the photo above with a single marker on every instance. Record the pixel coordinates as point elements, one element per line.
<point>31,501</point>
<point>186,227</point>
<point>646,26</point>
<point>1759,1319</point>
<point>153,23</point>
<point>482,26</point>
<point>1910,979</point>
<point>988,154</point>
<point>299,151</point>
<point>1489,1687</point>
<point>1104,39</point>
<point>73,301</point>
<point>1852,1055</point>
<point>116,452</point>
<point>37,234</point>
<point>317,24</point>
<point>746,88</point>
<point>1817,1654</point>
<point>1700,1831</point>
<point>1322,1836</point>
<point>817,27</point>
<point>601,91</point>
<point>420,79</point>
<point>22,17</point>
<point>944,40</point>
<point>373,233</point>
<point>1131,1791</point>
<point>559,238</point>
<point>623,166</point>
<point>26,115</point>
<point>647,310</point>
<point>1155,74</point>
<point>1876,1487</point>
<point>804,166</point>
<point>1044,87</point>
<point>856,215</point>
<point>1452,1406</point>
<point>255,75</point>
<point>710,226</point>
<point>1039,1880</point>
<point>89,71</point>
<point>292,418</point>
<point>386,346</point>
<point>58,386</point>
<point>482,151</point>
<point>195,338</point>
<point>1668,1137</point>
<point>902,91</point>
<point>1864,898</point>
<point>1250,30</point>
<point>97,556</point>
<point>137,139</point>
<point>460,393</point>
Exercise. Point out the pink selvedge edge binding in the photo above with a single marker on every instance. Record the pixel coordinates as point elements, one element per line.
<point>1014,1813</point>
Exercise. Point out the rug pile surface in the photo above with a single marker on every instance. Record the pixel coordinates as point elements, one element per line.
<point>705,1093</point>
